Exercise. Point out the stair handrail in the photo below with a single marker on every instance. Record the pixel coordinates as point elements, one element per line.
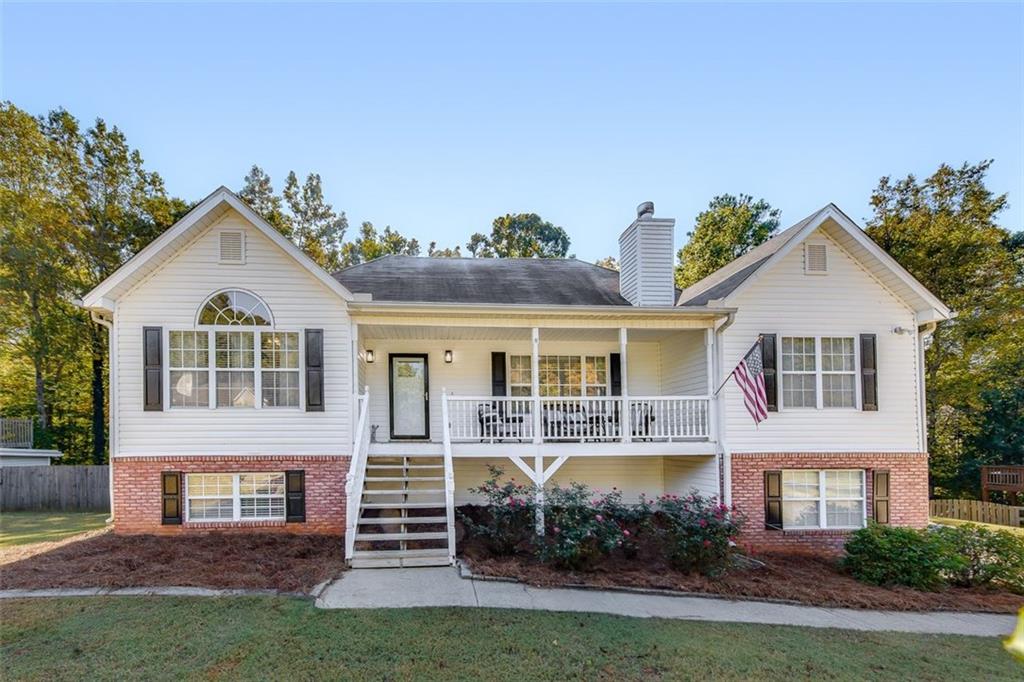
<point>449,475</point>
<point>356,473</point>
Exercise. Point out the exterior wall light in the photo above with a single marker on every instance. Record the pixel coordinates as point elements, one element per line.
<point>369,356</point>
<point>448,356</point>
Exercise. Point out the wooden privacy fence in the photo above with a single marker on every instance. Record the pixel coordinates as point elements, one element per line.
<point>55,488</point>
<point>976,510</point>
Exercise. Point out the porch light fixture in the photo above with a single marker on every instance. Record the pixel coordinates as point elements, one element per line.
<point>448,356</point>
<point>369,356</point>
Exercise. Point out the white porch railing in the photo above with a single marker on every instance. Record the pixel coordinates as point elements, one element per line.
<point>489,419</point>
<point>15,433</point>
<point>449,476</point>
<point>356,473</point>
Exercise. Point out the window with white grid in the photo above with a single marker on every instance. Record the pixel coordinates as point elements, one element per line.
<point>838,372</point>
<point>819,371</point>
<point>189,361</point>
<point>235,497</point>
<point>799,372</point>
<point>261,496</point>
<point>520,378</point>
<point>236,376</point>
<point>830,498</point>
<point>279,364</point>
<point>560,375</point>
<point>211,497</point>
<point>596,379</point>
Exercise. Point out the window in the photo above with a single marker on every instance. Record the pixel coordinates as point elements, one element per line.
<point>235,497</point>
<point>236,377</point>
<point>819,372</point>
<point>234,307</point>
<point>279,361</point>
<point>189,355</point>
<point>822,499</point>
<point>560,375</point>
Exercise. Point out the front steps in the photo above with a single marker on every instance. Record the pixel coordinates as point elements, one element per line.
<point>402,513</point>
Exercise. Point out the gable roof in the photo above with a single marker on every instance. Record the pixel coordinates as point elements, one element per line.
<point>723,285</point>
<point>204,214</point>
<point>537,281</point>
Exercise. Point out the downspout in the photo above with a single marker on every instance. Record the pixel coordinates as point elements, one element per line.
<point>112,380</point>
<point>924,335</point>
<point>724,454</point>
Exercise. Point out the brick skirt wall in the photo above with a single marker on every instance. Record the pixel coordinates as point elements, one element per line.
<point>908,482</point>
<point>137,492</point>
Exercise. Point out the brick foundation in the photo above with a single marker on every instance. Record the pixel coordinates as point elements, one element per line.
<point>137,492</point>
<point>908,480</point>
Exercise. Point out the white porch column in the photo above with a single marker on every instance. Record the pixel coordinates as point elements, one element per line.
<point>709,356</point>
<point>626,420</point>
<point>538,458</point>
<point>356,388</point>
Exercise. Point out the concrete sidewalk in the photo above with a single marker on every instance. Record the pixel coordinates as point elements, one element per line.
<point>411,587</point>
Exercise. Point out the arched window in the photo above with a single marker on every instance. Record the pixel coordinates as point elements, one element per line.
<point>235,307</point>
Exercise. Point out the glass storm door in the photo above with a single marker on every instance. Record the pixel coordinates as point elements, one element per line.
<point>410,411</point>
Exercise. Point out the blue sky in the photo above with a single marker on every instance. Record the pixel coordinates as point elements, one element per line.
<point>436,118</point>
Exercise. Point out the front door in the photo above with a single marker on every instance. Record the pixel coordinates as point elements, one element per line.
<point>410,396</point>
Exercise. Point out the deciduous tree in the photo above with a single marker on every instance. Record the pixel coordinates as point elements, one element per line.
<point>522,235</point>
<point>370,245</point>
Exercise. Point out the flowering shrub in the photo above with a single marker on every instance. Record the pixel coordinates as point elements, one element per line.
<point>699,533</point>
<point>509,518</point>
<point>634,520</point>
<point>577,533</point>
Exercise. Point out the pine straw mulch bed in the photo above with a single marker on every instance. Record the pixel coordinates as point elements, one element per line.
<point>284,562</point>
<point>784,577</point>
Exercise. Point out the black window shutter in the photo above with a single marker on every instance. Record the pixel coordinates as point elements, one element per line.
<point>295,500</point>
<point>868,373</point>
<point>152,369</point>
<point>615,372</point>
<point>314,370</point>
<point>881,496</point>
<point>769,359</point>
<point>773,500</point>
<point>170,489</point>
<point>499,383</point>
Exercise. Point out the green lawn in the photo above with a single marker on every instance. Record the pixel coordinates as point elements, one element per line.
<point>990,526</point>
<point>24,528</point>
<point>275,638</point>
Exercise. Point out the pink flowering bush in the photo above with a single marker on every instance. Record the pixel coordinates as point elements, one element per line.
<point>698,532</point>
<point>508,519</point>
<point>635,520</point>
<point>577,532</point>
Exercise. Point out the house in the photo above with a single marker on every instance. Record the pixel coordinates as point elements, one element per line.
<point>252,389</point>
<point>17,445</point>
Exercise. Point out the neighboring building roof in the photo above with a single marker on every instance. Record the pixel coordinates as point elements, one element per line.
<point>202,215</point>
<point>538,281</point>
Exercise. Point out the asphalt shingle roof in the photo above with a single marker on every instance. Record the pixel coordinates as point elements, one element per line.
<point>536,281</point>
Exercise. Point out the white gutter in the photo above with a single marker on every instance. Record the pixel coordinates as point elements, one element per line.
<point>505,309</point>
<point>924,335</point>
<point>725,455</point>
<point>112,438</point>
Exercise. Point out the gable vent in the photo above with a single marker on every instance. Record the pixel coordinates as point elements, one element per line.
<point>816,259</point>
<point>232,246</point>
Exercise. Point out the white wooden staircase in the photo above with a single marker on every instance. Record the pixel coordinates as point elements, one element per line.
<point>400,505</point>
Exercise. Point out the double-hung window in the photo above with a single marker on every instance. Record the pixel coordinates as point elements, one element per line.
<point>236,375</point>
<point>829,498</point>
<point>189,360</point>
<point>560,376</point>
<point>819,372</point>
<point>235,497</point>
<point>279,362</point>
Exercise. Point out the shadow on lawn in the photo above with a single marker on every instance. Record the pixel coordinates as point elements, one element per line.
<point>286,562</point>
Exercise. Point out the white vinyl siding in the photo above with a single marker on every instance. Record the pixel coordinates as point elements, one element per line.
<point>170,297</point>
<point>847,303</point>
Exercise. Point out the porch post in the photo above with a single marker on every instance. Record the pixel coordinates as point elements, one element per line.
<point>709,356</point>
<point>356,388</point>
<point>538,458</point>
<point>626,420</point>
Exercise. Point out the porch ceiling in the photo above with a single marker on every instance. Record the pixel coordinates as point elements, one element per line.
<point>459,333</point>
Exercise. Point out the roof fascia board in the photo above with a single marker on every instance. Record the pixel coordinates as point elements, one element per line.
<point>526,308</point>
<point>96,297</point>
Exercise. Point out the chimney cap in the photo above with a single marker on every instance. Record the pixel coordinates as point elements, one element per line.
<point>645,210</point>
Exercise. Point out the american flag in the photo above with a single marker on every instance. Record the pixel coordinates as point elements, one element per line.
<point>749,376</point>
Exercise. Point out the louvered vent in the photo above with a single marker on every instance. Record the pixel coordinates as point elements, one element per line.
<point>816,259</point>
<point>232,247</point>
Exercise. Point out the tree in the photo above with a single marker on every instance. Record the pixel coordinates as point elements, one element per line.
<point>730,227</point>
<point>258,192</point>
<point>523,235</point>
<point>317,229</point>
<point>448,252</point>
<point>608,262</point>
<point>944,231</point>
<point>371,245</point>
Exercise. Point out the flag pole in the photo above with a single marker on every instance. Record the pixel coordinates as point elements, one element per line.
<point>726,380</point>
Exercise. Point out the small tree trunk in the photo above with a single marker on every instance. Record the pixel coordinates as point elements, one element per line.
<point>99,424</point>
<point>37,365</point>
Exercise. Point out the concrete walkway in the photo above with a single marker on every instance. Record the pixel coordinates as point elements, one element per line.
<point>410,587</point>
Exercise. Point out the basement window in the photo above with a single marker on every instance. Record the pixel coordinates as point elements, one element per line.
<point>235,497</point>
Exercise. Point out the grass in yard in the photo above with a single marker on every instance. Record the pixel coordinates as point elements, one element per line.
<point>25,528</point>
<point>990,526</point>
<point>276,638</point>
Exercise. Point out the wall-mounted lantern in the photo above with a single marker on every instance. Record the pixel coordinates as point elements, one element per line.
<point>448,356</point>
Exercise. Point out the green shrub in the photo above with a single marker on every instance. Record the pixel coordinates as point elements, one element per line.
<point>895,555</point>
<point>699,533</point>
<point>508,520</point>
<point>985,556</point>
<point>635,520</point>
<point>576,532</point>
